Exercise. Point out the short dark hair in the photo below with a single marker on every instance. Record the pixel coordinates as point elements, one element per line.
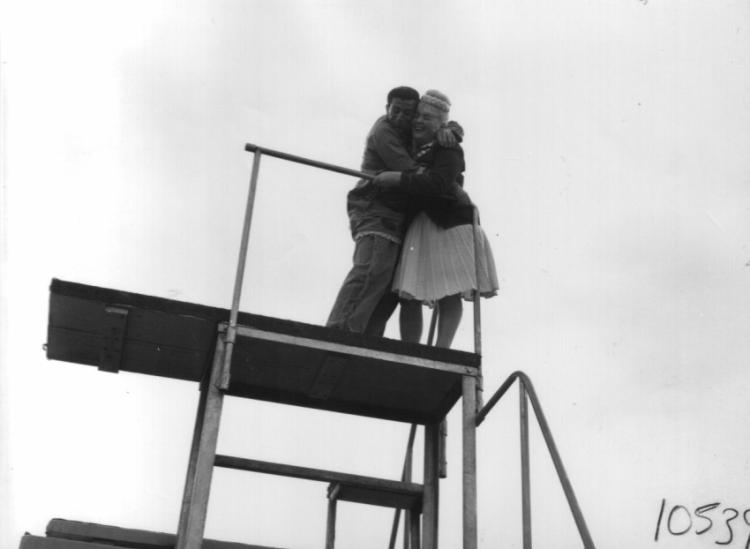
<point>403,92</point>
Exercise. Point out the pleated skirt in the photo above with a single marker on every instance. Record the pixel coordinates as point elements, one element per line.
<point>437,262</point>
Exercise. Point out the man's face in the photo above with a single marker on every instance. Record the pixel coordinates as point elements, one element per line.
<point>401,112</point>
<point>426,123</point>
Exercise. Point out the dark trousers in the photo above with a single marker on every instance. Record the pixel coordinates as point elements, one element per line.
<point>365,301</point>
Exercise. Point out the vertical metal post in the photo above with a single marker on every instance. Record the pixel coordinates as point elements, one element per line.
<point>442,454</point>
<point>414,531</point>
<point>477,307</point>
<point>333,494</point>
<point>405,477</point>
<point>525,472</point>
<point>394,529</point>
<point>189,477</point>
<point>431,495</point>
<point>433,324</point>
<point>443,462</point>
<point>232,330</point>
<point>198,483</point>
<point>469,462</point>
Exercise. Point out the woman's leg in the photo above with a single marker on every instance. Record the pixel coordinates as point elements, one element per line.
<point>451,309</point>
<point>410,320</point>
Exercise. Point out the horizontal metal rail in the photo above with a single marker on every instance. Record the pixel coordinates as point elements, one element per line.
<point>528,388</point>
<point>301,160</point>
<point>406,490</point>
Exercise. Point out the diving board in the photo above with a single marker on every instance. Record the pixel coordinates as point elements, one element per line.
<point>274,360</point>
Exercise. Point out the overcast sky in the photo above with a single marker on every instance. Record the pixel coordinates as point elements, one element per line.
<point>607,148</point>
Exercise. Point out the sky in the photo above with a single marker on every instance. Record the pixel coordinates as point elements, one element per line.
<point>606,147</point>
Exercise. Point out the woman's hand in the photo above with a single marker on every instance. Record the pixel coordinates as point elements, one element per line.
<point>387,179</point>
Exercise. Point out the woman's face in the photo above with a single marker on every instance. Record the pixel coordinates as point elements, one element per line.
<point>426,123</point>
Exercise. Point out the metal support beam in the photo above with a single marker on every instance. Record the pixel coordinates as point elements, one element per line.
<point>477,307</point>
<point>331,518</point>
<point>405,477</point>
<point>240,275</point>
<point>190,476</point>
<point>414,538</point>
<point>200,468</point>
<point>525,471</point>
<point>431,498</point>
<point>469,462</point>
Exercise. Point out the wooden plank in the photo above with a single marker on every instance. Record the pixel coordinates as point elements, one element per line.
<point>94,296</point>
<point>144,324</point>
<point>383,492</point>
<point>142,357</point>
<point>91,533</point>
<point>379,497</point>
<point>37,542</point>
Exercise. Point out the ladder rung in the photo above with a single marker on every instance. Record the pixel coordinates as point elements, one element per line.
<point>361,489</point>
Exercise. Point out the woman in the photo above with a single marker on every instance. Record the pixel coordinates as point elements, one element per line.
<point>437,259</point>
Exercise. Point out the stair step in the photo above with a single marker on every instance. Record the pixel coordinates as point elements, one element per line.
<point>356,488</point>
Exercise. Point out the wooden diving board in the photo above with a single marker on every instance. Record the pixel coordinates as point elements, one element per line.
<point>274,360</point>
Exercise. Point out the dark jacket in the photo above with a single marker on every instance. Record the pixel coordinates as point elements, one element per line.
<point>436,186</point>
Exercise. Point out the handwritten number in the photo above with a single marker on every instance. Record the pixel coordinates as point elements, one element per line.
<point>661,514</point>
<point>699,513</point>
<point>669,520</point>
<point>731,534</point>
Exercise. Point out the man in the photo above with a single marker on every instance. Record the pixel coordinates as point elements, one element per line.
<point>378,221</point>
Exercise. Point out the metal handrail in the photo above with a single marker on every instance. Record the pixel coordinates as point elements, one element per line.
<point>307,161</point>
<point>527,390</point>
<point>258,152</point>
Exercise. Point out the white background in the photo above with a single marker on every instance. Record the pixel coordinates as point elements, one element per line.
<point>607,147</point>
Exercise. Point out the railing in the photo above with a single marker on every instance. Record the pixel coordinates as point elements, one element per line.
<point>525,386</point>
<point>526,390</point>
<point>257,153</point>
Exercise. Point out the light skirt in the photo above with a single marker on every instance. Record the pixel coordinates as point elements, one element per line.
<point>437,262</point>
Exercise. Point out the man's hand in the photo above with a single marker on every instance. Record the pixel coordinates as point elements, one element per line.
<point>387,179</point>
<point>445,137</point>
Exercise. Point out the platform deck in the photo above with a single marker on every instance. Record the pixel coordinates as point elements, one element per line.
<point>274,360</point>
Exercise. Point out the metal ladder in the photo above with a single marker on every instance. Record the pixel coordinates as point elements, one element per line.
<point>360,489</point>
<point>203,455</point>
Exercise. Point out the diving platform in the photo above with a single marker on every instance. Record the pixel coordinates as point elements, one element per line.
<point>274,360</point>
<point>226,352</point>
